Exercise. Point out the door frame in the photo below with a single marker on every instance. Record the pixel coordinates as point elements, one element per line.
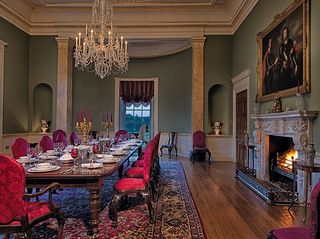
<point>2,52</point>
<point>154,109</point>
<point>240,83</point>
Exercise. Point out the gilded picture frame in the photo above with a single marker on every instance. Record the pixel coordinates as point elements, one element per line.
<point>283,67</point>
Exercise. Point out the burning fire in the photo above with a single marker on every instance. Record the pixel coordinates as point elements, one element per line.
<point>286,160</point>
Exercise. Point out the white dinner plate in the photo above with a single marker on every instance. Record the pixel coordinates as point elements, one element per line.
<point>48,157</point>
<point>27,160</point>
<point>43,170</point>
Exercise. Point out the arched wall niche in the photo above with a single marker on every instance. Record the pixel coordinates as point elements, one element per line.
<point>218,106</point>
<point>42,106</point>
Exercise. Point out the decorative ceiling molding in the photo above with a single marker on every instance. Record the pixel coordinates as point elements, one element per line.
<point>134,18</point>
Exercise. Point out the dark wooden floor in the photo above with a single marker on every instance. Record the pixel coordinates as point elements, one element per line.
<point>228,208</point>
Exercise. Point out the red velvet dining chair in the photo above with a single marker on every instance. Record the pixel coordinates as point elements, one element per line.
<point>120,133</point>
<point>62,139</point>
<point>310,232</point>
<point>74,137</point>
<point>19,148</point>
<point>127,186</point>
<point>56,133</point>
<point>199,146</point>
<point>46,143</point>
<point>17,215</point>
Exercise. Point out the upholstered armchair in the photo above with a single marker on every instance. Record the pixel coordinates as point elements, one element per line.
<point>17,215</point>
<point>199,146</point>
<point>311,231</point>
<point>172,144</point>
<point>46,143</point>
<point>127,186</point>
<point>19,147</point>
<point>56,133</point>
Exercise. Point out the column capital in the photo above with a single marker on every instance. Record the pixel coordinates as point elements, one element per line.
<point>70,42</point>
<point>3,43</point>
<point>198,42</point>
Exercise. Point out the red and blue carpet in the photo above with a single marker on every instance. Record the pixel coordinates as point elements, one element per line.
<point>176,215</point>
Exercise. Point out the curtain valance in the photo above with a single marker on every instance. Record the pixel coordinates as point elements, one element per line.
<point>136,92</point>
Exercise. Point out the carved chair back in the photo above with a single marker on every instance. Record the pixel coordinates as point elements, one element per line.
<point>56,133</point>
<point>199,140</point>
<point>19,147</point>
<point>62,139</point>
<point>148,158</point>
<point>46,143</point>
<point>172,138</point>
<point>73,137</point>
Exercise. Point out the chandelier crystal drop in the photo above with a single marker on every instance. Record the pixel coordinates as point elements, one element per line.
<point>101,48</point>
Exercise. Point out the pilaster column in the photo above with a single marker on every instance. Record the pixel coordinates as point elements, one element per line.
<point>197,82</point>
<point>2,49</point>
<point>64,83</point>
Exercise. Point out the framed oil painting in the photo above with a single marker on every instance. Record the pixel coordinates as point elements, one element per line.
<point>284,54</point>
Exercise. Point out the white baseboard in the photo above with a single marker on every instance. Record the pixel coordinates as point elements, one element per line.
<point>219,146</point>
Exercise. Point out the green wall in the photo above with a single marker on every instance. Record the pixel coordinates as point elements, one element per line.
<point>218,70</point>
<point>16,75</point>
<point>175,77</point>
<point>245,52</point>
<point>42,70</point>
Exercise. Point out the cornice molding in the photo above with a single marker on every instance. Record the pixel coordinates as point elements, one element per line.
<point>136,21</point>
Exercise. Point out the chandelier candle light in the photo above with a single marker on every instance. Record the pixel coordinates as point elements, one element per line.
<point>84,126</point>
<point>102,49</point>
<point>107,123</point>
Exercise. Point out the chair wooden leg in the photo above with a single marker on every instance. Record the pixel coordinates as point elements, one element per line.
<point>209,154</point>
<point>161,153</point>
<point>113,209</point>
<point>169,150</point>
<point>175,148</point>
<point>147,197</point>
<point>61,221</point>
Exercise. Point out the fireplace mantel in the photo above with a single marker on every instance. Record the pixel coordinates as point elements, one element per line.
<point>295,124</point>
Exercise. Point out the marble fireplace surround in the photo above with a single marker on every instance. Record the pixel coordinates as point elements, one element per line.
<point>295,124</point>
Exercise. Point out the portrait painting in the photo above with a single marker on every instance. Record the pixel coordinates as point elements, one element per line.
<point>283,54</point>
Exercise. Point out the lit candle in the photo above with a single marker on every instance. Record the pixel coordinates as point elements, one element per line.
<point>84,46</point>
<point>121,43</point>
<point>86,30</point>
<point>76,42</point>
<point>126,47</point>
<point>79,39</point>
<point>91,35</point>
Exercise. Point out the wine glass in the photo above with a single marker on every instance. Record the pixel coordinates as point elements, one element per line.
<point>29,153</point>
<point>38,151</point>
<point>74,155</point>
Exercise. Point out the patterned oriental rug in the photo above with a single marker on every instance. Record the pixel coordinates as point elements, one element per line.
<point>176,215</point>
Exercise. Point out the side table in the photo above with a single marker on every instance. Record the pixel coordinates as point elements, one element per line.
<point>309,169</point>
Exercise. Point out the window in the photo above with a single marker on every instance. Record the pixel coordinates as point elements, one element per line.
<point>133,117</point>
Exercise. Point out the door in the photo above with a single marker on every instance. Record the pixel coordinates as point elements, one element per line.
<point>241,120</point>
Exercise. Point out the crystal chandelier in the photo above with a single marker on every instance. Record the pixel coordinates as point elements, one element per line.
<point>101,48</point>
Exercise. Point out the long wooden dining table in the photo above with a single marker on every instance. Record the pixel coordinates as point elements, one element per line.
<point>90,179</point>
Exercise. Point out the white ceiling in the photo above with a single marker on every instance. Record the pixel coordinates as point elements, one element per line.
<point>134,18</point>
